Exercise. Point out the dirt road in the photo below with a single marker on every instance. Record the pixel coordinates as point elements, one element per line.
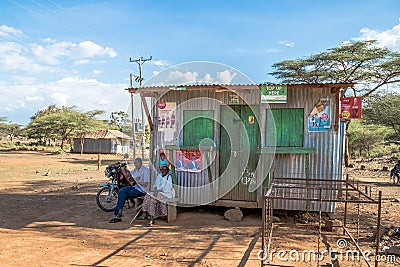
<point>50,218</point>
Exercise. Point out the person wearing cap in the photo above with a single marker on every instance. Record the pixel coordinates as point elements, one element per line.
<point>141,177</point>
<point>154,203</point>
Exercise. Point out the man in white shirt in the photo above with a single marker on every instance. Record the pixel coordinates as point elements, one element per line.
<point>141,177</point>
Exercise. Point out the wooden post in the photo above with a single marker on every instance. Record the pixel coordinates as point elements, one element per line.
<point>345,204</point>
<point>378,228</point>
<point>98,161</point>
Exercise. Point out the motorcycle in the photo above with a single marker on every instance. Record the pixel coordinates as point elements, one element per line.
<point>120,176</point>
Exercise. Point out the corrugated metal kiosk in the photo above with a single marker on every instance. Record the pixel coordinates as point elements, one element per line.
<point>225,142</point>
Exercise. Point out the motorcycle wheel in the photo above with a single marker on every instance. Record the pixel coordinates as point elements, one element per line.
<point>105,201</point>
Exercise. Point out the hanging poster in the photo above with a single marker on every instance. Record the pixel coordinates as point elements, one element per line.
<point>166,117</point>
<point>319,119</point>
<point>273,93</point>
<point>351,107</point>
<point>188,161</point>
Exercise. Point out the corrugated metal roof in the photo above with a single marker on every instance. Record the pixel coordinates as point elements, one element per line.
<point>235,86</point>
<point>104,134</point>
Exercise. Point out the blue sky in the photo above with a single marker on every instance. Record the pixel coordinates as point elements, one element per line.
<point>76,53</point>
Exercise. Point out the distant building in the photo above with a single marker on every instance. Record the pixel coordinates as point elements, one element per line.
<point>102,141</point>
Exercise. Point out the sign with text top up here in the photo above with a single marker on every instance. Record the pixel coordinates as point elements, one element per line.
<point>273,93</point>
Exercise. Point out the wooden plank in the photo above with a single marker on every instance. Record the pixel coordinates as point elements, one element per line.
<point>269,129</point>
<point>277,114</point>
<point>290,150</point>
<point>190,148</point>
<point>234,203</point>
<point>146,109</point>
<point>198,125</point>
<point>286,127</point>
<point>297,127</point>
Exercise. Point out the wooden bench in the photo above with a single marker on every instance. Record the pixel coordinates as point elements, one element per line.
<point>171,209</point>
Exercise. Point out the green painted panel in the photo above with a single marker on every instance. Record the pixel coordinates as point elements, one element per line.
<point>297,122</point>
<point>198,125</point>
<point>270,129</point>
<point>224,143</point>
<point>289,127</point>
<point>277,114</point>
<point>286,127</point>
<point>234,142</point>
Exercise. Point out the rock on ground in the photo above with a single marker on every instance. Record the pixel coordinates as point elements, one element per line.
<point>234,215</point>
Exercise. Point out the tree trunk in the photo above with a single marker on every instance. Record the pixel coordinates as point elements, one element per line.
<point>82,142</point>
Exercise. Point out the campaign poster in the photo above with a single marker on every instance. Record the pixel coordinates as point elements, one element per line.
<point>319,119</point>
<point>351,107</point>
<point>166,116</point>
<point>188,161</point>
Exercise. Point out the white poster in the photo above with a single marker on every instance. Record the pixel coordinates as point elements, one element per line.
<point>166,117</point>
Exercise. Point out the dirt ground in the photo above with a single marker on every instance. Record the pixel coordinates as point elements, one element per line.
<point>50,218</point>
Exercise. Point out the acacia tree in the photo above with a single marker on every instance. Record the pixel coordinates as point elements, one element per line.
<point>119,119</point>
<point>364,137</point>
<point>363,63</point>
<point>8,128</point>
<point>384,109</point>
<point>62,124</point>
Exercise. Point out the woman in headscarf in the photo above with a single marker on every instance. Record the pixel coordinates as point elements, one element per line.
<point>155,202</point>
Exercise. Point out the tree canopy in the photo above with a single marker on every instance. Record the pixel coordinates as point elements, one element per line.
<point>62,123</point>
<point>8,128</point>
<point>384,109</point>
<point>361,62</point>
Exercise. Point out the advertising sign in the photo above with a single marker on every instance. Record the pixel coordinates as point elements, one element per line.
<point>166,116</point>
<point>351,108</point>
<point>273,93</point>
<point>319,119</point>
<point>188,161</point>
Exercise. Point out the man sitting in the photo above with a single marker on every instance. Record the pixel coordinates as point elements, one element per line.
<point>395,172</point>
<point>141,175</point>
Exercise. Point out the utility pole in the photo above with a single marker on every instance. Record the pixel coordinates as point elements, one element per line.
<point>140,62</point>
<point>133,121</point>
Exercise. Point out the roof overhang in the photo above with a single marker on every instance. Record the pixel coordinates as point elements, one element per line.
<point>335,87</point>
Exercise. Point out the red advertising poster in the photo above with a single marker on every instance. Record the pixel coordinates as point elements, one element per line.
<point>188,161</point>
<point>351,108</point>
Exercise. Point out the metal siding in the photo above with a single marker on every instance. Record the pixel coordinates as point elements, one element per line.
<point>326,160</point>
<point>323,164</point>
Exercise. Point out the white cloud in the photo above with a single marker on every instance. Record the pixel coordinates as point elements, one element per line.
<point>159,63</point>
<point>225,77</point>
<point>82,62</point>
<point>42,57</point>
<point>96,72</point>
<point>387,38</point>
<point>52,52</point>
<point>23,79</point>
<point>14,56</point>
<point>178,77</point>
<point>20,102</point>
<point>59,99</point>
<point>33,98</point>
<point>287,43</point>
<point>88,49</point>
<point>10,32</point>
